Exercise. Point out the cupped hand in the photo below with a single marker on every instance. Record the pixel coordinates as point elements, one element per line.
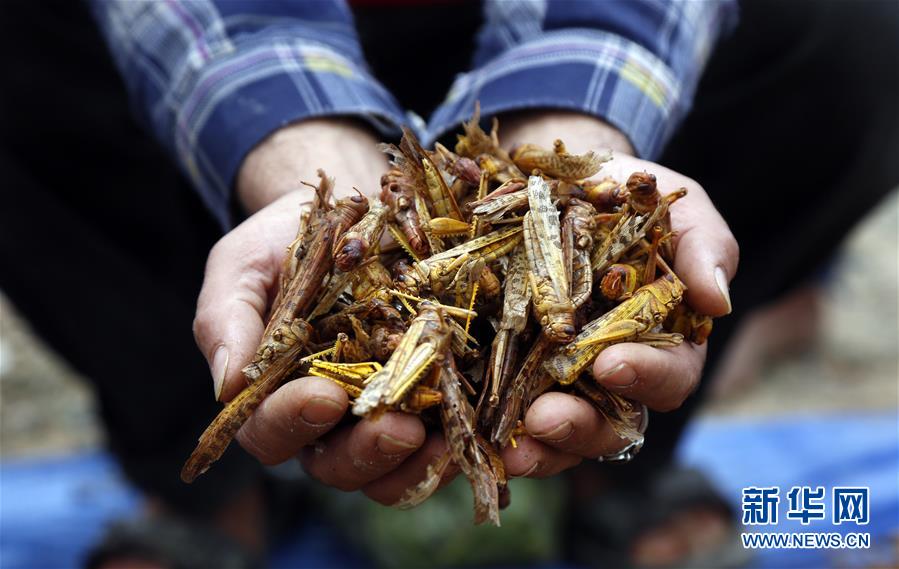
<point>563,429</point>
<point>382,457</point>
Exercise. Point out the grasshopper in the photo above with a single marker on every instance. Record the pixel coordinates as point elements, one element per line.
<point>460,167</point>
<point>287,333</point>
<point>628,232</point>
<point>643,197</point>
<point>476,458</point>
<point>693,326</point>
<point>430,228</point>
<point>442,199</point>
<point>462,266</point>
<point>360,239</point>
<point>370,280</point>
<point>458,421</point>
<point>398,193</point>
<point>578,227</point>
<point>307,277</point>
<point>475,142</point>
<point>622,279</point>
<point>633,320</point>
<point>485,148</point>
<point>427,339</point>
<point>623,415</point>
<point>547,275</point>
<point>460,335</point>
<point>335,285</point>
<point>219,434</point>
<point>517,300</point>
<point>510,197</point>
<point>520,391</point>
<point>352,377</point>
<point>605,195</point>
<point>558,163</point>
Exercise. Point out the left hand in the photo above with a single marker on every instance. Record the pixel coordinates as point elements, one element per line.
<point>564,429</point>
<point>302,418</point>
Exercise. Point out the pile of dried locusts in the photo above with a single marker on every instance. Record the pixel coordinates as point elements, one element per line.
<point>487,301</point>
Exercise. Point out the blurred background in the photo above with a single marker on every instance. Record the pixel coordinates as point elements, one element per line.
<point>807,395</point>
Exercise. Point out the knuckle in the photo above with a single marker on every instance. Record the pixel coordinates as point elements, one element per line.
<point>218,249</point>
<point>691,184</point>
<point>691,387</point>
<point>257,446</point>
<point>573,461</point>
<point>330,474</point>
<point>670,399</point>
<point>680,374</point>
<point>731,251</point>
<point>378,496</point>
<point>345,485</point>
<point>201,327</point>
<point>667,405</point>
<point>368,468</point>
<point>584,447</point>
<point>676,398</point>
<point>540,471</point>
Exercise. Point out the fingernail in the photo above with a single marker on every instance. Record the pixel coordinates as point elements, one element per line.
<point>390,445</point>
<point>318,412</point>
<point>219,369</point>
<point>559,434</point>
<point>721,281</point>
<point>529,471</point>
<point>621,375</point>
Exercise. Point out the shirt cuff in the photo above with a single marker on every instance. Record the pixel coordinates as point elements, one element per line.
<point>594,72</point>
<point>238,100</point>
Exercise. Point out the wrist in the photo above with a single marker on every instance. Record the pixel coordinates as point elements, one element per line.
<point>580,132</point>
<point>344,148</point>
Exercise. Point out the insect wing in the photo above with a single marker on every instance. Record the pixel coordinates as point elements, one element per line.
<point>545,219</point>
<point>475,244</point>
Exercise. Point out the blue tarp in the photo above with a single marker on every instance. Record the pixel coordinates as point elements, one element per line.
<point>812,450</point>
<point>52,509</point>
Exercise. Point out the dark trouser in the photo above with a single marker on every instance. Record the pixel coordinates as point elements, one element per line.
<point>102,243</point>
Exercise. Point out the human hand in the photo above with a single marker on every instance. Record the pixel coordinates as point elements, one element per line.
<point>563,429</point>
<point>381,457</point>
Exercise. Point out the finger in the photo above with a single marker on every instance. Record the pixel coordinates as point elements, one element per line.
<point>571,425</point>
<point>389,489</point>
<point>660,379</point>
<point>707,253</point>
<point>532,459</point>
<point>706,262</point>
<point>355,455</point>
<point>292,417</point>
<point>240,273</point>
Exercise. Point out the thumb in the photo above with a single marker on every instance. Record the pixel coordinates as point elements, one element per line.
<point>228,324</point>
<point>707,253</point>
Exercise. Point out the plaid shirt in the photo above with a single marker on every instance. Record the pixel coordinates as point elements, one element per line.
<point>211,78</point>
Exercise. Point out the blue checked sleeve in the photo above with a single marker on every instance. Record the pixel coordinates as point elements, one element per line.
<point>211,78</point>
<point>633,63</point>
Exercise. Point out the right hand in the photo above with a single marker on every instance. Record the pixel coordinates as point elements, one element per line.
<point>381,457</point>
<point>565,428</point>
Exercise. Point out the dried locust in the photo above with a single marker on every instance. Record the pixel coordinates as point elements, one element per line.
<point>441,319</point>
